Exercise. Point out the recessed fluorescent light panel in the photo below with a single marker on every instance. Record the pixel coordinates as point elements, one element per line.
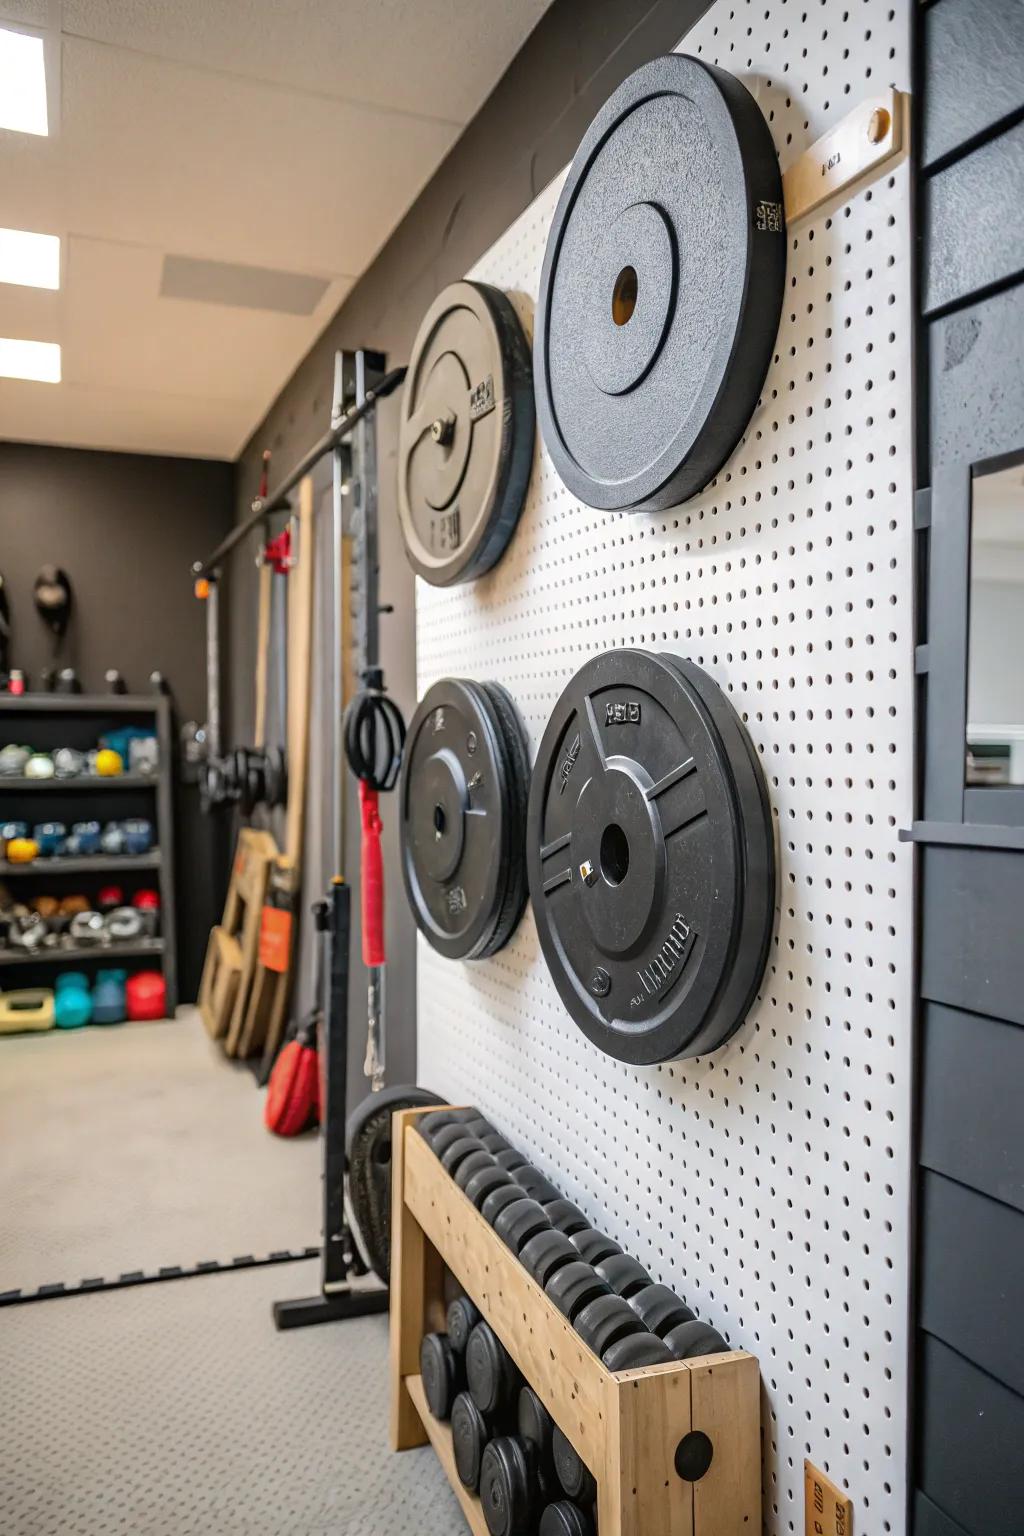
<point>35,360</point>
<point>30,260</point>
<point>22,83</point>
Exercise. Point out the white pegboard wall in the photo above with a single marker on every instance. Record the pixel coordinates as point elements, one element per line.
<point>767,1182</point>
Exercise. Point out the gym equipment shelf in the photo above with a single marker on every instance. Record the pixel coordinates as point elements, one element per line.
<point>131,949</point>
<point>47,721</point>
<point>626,1426</point>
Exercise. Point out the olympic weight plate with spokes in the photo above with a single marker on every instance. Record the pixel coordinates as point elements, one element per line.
<point>651,857</point>
<point>463,817</point>
<point>661,289</point>
<point>466,437</point>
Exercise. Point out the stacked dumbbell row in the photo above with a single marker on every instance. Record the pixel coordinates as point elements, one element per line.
<point>609,1298</point>
<point>529,1479</point>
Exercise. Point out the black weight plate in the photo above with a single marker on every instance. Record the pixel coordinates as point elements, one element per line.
<point>469,1436</point>
<point>464,785</point>
<point>368,1164</point>
<point>508,1486</point>
<point>658,1308</point>
<point>661,289</point>
<point>534,1423</point>
<point>465,444</point>
<point>565,1519</point>
<point>440,1372</point>
<point>476,1162</point>
<point>498,1199</point>
<point>568,1218</point>
<point>651,858</point>
<point>485,1181</point>
<point>457,1152</point>
<point>689,1340</point>
<point>574,1285</point>
<point>571,1471</point>
<point>519,1221</point>
<point>626,1276</point>
<point>491,1373</point>
<point>510,1159</point>
<point>461,1318</point>
<point>592,1246</point>
<point>636,1349</point>
<point>535,1184</point>
<point>545,1253</point>
<point>602,1321</point>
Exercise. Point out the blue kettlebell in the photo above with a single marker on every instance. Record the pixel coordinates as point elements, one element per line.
<point>51,837</point>
<point>109,1005</point>
<point>72,1000</point>
<point>86,835</point>
<point>138,834</point>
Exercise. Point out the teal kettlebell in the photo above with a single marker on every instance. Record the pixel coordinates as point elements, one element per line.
<point>108,998</point>
<point>72,1000</point>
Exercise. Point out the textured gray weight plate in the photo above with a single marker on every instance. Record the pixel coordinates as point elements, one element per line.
<point>651,857</point>
<point>661,289</point>
<point>466,436</point>
<point>368,1160</point>
<point>463,796</point>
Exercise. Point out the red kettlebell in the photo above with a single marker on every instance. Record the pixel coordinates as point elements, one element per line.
<point>146,995</point>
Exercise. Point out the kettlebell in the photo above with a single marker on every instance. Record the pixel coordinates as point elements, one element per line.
<point>108,997</point>
<point>146,995</point>
<point>39,766</point>
<point>12,761</point>
<point>22,850</point>
<point>138,834</point>
<point>109,764</point>
<point>51,837</point>
<point>85,837</point>
<point>72,1000</point>
<point>112,840</point>
<point>147,903</point>
<point>68,762</point>
<point>123,924</point>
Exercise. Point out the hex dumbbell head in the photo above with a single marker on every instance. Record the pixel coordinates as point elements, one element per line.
<point>565,1216</point>
<point>510,1159</point>
<point>592,1246</point>
<point>496,1201</point>
<point>602,1321</point>
<point>576,1479</point>
<point>660,1309</point>
<point>534,1423</point>
<point>565,1519</point>
<point>485,1181</point>
<point>474,1163</point>
<point>478,1126</point>
<point>535,1184</point>
<point>491,1373</point>
<point>636,1349</point>
<point>462,1319</point>
<point>469,1436</point>
<point>459,1150</point>
<point>440,1372</point>
<point>520,1221</point>
<point>625,1275</point>
<point>689,1340</point>
<point>573,1286</point>
<point>431,1124</point>
<point>545,1253</point>
<point>495,1142</point>
<point>508,1486</point>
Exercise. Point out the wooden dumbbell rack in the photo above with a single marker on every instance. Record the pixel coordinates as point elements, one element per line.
<point>625,1426</point>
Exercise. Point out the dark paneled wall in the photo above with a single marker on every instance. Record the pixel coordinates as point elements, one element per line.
<point>526,131</point>
<point>126,528</point>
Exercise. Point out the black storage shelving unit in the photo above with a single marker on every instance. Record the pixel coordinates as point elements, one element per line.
<point>46,721</point>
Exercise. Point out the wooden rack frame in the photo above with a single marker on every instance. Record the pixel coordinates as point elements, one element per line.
<point>625,1426</point>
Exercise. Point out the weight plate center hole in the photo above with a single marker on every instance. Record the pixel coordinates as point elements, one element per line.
<point>440,822</point>
<point>624,296</point>
<point>614,854</point>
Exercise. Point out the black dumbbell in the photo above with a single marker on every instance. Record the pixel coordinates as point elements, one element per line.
<point>565,1216</point>
<point>491,1373</point>
<point>604,1320</point>
<point>660,1309</point>
<point>469,1436</point>
<point>484,1181</point>
<point>496,1201</point>
<point>510,1159</point>
<point>441,1373</point>
<point>545,1253</point>
<point>535,1184</point>
<point>509,1490</point>
<point>443,1136</point>
<point>592,1246</point>
<point>636,1349</point>
<point>576,1479</point>
<point>476,1162</point>
<point>478,1126</point>
<point>626,1276</point>
<point>431,1125</point>
<point>459,1150</point>
<point>565,1519</point>
<point>573,1286</point>
<point>462,1318</point>
<point>534,1423</point>
<point>690,1340</point>
<point>495,1142</point>
<point>519,1221</point>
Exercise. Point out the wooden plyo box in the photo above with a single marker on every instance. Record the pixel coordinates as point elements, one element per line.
<point>626,1426</point>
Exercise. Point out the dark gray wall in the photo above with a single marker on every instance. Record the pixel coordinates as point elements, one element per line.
<point>525,132</point>
<point>126,528</point>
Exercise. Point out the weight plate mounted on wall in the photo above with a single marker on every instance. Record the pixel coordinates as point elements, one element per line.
<point>464,788</point>
<point>661,289</point>
<point>466,436</point>
<point>651,857</point>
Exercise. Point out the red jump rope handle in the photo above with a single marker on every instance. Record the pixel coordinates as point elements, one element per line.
<point>373,878</point>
